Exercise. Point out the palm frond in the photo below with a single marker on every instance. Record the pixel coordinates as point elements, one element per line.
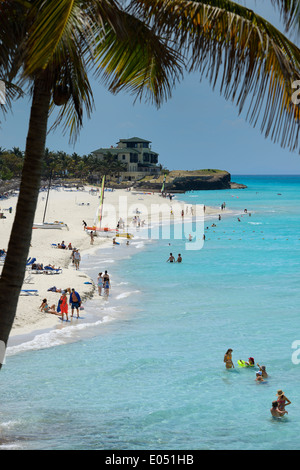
<point>73,75</point>
<point>142,62</point>
<point>251,60</point>
<point>49,22</point>
<point>290,13</point>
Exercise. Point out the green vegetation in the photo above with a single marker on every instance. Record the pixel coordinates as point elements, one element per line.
<point>60,165</point>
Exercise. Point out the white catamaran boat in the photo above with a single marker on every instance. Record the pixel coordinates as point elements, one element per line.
<point>49,225</point>
<point>57,225</point>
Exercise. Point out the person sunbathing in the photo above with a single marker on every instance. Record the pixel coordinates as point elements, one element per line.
<point>51,266</point>
<point>38,266</point>
<point>44,307</point>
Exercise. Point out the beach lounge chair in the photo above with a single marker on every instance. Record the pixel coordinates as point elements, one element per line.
<point>29,292</point>
<point>28,278</point>
<point>30,262</point>
<point>49,270</point>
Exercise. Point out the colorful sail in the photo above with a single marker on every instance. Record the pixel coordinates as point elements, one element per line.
<point>101,202</point>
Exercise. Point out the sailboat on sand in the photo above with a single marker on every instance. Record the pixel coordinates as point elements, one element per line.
<point>49,225</point>
<point>105,231</point>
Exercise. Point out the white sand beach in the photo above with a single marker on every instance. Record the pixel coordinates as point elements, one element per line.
<point>72,207</point>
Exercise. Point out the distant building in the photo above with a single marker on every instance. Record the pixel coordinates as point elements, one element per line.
<point>137,154</point>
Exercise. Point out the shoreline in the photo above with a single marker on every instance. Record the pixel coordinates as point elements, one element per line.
<point>29,321</point>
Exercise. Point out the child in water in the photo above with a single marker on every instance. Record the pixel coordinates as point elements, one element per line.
<point>259,377</point>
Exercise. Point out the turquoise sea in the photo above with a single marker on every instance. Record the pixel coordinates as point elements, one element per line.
<point>145,370</point>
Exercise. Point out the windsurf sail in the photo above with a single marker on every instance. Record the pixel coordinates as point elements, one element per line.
<point>101,203</point>
<point>163,185</point>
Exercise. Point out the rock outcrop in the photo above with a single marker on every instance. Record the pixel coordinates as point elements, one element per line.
<point>197,180</point>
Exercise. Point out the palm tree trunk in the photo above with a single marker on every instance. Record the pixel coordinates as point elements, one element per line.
<point>15,263</point>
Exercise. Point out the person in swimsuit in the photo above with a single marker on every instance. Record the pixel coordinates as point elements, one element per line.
<point>75,301</point>
<point>100,283</point>
<point>263,370</point>
<point>92,237</point>
<point>228,359</point>
<point>106,283</point>
<point>44,307</point>
<point>171,258</point>
<point>179,259</point>
<point>276,412</point>
<point>259,377</point>
<point>282,400</point>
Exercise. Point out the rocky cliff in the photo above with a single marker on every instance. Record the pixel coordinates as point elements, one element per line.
<point>182,181</point>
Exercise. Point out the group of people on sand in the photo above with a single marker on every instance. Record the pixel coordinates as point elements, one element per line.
<point>63,246</point>
<point>278,405</point>
<point>63,307</point>
<point>103,282</point>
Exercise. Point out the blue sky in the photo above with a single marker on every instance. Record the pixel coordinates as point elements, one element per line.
<point>197,128</point>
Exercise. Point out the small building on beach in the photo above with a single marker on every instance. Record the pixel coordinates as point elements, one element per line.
<point>136,154</point>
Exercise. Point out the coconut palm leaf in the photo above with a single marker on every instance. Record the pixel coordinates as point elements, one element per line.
<point>142,63</point>
<point>130,57</point>
<point>252,62</point>
<point>290,13</point>
<point>52,21</point>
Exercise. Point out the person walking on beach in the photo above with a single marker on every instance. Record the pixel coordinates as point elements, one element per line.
<point>276,412</point>
<point>75,301</point>
<point>100,283</point>
<point>92,237</point>
<point>228,359</point>
<point>63,304</point>
<point>171,259</point>
<point>106,283</point>
<point>84,224</point>
<point>77,259</point>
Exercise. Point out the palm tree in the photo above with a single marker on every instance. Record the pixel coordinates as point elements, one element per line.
<point>144,48</point>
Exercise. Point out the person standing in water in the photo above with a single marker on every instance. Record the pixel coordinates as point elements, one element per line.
<point>106,283</point>
<point>100,283</point>
<point>276,412</point>
<point>228,359</point>
<point>171,258</point>
<point>282,400</point>
<point>263,370</point>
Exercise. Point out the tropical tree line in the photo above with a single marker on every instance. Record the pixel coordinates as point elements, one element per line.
<point>59,164</point>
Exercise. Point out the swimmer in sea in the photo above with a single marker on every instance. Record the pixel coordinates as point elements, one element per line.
<point>251,362</point>
<point>171,258</point>
<point>276,412</point>
<point>259,377</point>
<point>263,370</point>
<point>228,359</point>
